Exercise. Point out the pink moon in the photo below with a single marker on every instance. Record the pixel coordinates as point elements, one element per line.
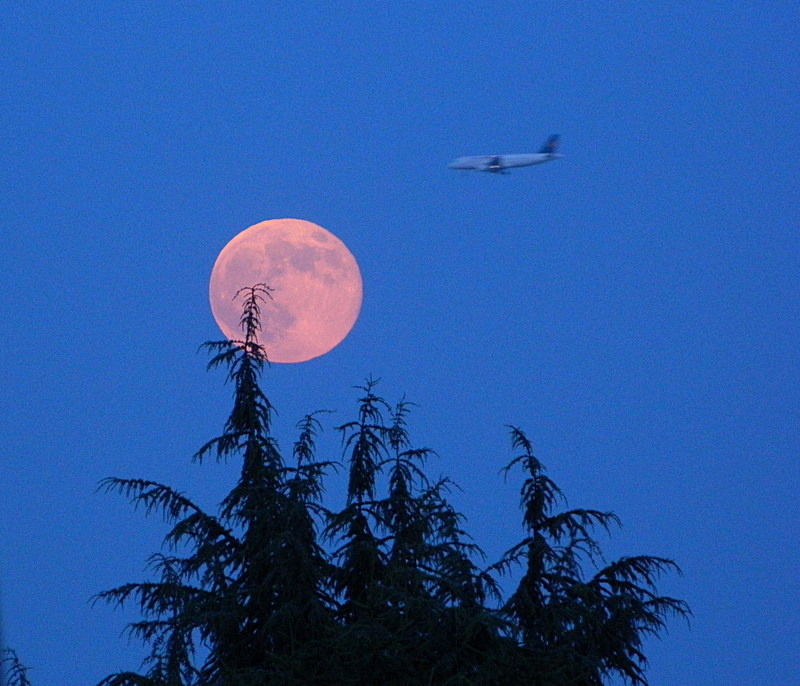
<point>317,289</point>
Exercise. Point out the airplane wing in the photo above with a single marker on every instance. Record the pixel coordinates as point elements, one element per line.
<point>494,164</point>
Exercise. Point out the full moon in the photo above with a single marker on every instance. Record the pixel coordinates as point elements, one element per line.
<point>315,282</point>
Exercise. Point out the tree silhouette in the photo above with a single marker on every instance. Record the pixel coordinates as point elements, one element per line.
<point>277,589</point>
<point>12,671</point>
<point>575,629</point>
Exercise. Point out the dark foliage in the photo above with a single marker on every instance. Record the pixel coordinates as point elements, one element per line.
<point>276,589</point>
<point>12,671</point>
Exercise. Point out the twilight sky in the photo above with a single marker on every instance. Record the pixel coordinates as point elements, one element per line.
<point>633,306</point>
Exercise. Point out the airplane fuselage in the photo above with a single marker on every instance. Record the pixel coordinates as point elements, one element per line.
<point>497,163</point>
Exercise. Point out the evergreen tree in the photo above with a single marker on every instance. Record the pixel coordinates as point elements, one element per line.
<point>573,630</point>
<point>251,591</point>
<point>12,671</point>
<point>277,589</point>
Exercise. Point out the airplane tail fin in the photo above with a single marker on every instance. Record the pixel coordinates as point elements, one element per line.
<point>551,145</point>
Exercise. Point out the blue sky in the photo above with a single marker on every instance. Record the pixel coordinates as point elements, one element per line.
<point>633,306</point>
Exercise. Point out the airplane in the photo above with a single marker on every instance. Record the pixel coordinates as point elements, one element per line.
<point>499,163</point>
